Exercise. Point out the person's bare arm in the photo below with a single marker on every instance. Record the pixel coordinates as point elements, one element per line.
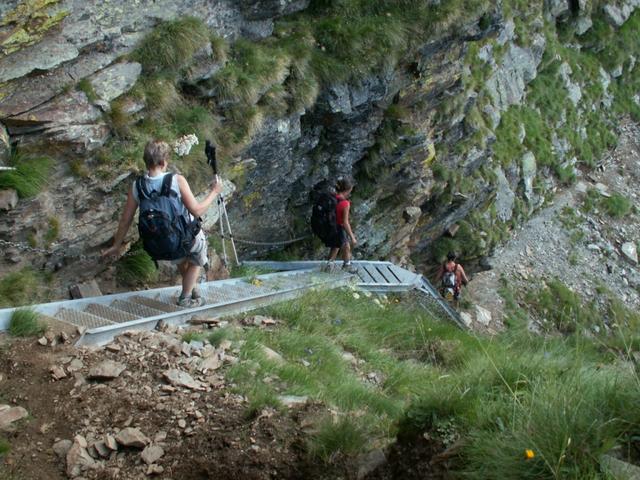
<point>126,219</point>
<point>197,209</point>
<point>347,225</point>
<point>463,275</point>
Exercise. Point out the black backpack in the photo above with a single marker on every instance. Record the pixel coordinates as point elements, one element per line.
<point>165,225</point>
<point>323,215</point>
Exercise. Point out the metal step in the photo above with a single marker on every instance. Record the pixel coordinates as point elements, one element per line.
<point>112,314</point>
<point>137,309</point>
<point>156,304</point>
<point>82,319</point>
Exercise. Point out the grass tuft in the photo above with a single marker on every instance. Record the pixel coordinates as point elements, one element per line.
<point>171,45</point>
<point>26,323</point>
<point>347,436</point>
<point>30,175</point>
<point>136,268</point>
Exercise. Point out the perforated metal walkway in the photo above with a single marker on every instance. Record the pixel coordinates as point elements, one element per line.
<point>104,317</point>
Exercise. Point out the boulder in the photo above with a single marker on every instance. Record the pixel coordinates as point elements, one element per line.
<point>106,370</point>
<point>619,469</point>
<point>8,199</point>
<point>115,80</point>
<point>132,437</point>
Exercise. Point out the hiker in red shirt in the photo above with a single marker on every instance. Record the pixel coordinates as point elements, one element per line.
<point>345,238</point>
<point>452,275</point>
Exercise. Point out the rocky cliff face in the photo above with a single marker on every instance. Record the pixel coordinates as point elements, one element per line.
<point>467,128</point>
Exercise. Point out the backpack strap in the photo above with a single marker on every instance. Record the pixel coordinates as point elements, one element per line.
<point>141,186</point>
<point>166,185</point>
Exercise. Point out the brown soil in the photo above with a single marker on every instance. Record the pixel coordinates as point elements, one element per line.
<point>204,434</point>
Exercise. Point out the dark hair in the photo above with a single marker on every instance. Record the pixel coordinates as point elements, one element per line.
<point>156,152</point>
<point>451,256</point>
<point>343,184</point>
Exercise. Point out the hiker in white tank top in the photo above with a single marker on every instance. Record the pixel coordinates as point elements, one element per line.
<point>156,158</point>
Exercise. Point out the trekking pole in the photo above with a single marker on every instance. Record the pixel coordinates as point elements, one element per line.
<point>210,152</point>
<point>224,248</point>
<point>233,243</point>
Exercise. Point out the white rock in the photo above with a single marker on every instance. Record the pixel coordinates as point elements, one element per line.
<point>466,318</point>
<point>8,415</point>
<point>630,251</point>
<point>151,454</point>
<point>483,316</point>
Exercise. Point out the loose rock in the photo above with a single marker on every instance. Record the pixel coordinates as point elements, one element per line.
<point>106,370</point>
<point>8,415</point>
<point>132,437</point>
<point>151,454</point>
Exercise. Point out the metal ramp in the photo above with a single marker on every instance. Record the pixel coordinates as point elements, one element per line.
<point>102,318</point>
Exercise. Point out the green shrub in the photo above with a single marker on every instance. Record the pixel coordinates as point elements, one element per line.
<point>26,323</point>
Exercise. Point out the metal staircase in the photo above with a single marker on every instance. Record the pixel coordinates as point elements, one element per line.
<point>102,318</point>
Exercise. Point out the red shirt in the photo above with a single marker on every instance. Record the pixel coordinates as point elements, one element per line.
<point>343,203</point>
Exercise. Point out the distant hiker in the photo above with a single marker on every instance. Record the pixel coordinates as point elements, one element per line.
<point>169,222</point>
<point>452,276</point>
<point>331,222</point>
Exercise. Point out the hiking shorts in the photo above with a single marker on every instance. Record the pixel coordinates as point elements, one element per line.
<point>339,240</point>
<point>198,255</point>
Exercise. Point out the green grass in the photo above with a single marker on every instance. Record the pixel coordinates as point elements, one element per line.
<point>5,447</point>
<point>85,86</point>
<point>617,206</point>
<point>26,323</point>
<point>501,395</point>
<point>53,231</point>
<point>30,176</point>
<point>346,436</point>
<point>136,268</point>
<point>23,287</point>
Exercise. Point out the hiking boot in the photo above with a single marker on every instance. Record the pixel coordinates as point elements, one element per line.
<point>189,302</point>
<point>328,267</point>
<point>349,268</point>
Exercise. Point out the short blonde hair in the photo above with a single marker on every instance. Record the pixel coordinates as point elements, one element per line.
<point>156,152</point>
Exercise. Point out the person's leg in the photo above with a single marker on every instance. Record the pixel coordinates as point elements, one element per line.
<point>346,253</point>
<point>333,254</point>
<point>189,273</point>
